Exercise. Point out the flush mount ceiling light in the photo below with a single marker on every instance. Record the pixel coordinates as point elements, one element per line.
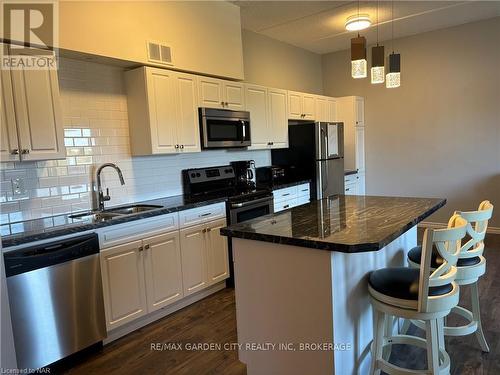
<point>358,22</point>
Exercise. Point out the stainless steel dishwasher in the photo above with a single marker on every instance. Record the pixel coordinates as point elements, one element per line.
<point>56,301</point>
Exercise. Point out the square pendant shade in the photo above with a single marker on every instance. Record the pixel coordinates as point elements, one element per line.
<point>378,69</point>
<point>358,57</point>
<point>393,77</point>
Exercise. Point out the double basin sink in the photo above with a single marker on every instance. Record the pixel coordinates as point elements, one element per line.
<point>113,213</point>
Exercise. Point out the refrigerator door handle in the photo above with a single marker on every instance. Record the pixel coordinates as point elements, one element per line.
<point>325,142</point>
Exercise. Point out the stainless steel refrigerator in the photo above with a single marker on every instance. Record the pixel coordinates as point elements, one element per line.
<point>315,152</point>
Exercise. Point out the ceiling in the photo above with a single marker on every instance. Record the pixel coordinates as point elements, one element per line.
<point>319,26</point>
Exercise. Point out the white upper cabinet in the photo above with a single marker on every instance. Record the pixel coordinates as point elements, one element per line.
<point>163,111</point>
<point>162,265</point>
<point>278,118</point>
<point>8,138</point>
<point>332,110</point>
<point>218,93</point>
<point>257,105</point>
<point>268,117</point>
<point>359,110</point>
<point>301,106</point>
<point>322,109</point>
<point>31,115</point>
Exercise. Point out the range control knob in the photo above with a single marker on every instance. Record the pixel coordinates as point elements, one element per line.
<point>198,174</point>
<point>193,175</point>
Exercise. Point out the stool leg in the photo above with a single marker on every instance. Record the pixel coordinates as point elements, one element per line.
<point>378,340</point>
<point>431,335</point>
<point>476,313</point>
<point>440,326</point>
<point>388,332</point>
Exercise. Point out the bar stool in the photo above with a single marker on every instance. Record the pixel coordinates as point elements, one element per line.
<point>471,265</point>
<point>419,294</point>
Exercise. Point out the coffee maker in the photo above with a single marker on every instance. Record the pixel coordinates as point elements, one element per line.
<point>245,173</point>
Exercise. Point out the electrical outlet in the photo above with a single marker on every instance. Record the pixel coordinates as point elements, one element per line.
<point>18,186</point>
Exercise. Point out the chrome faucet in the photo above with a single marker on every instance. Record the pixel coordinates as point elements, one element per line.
<point>100,195</point>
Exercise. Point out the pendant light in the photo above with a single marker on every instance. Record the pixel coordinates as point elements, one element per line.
<point>378,69</point>
<point>358,56</point>
<point>393,77</point>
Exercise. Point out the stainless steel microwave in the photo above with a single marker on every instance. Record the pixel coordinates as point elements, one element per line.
<point>223,128</point>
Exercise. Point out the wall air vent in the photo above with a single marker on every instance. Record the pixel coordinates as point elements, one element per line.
<point>159,53</point>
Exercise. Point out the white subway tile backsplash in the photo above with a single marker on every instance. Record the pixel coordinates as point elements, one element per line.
<point>96,131</point>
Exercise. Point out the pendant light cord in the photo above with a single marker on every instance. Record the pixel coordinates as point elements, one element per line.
<point>377,23</point>
<point>392,24</point>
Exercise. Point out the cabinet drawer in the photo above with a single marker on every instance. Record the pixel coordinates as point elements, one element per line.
<point>302,200</point>
<point>350,189</point>
<point>121,233</point>
<point>350,179</point>
<point>304,190</point>
<point>285,194</point>
<point>201,215</point>
<point>284,205</point>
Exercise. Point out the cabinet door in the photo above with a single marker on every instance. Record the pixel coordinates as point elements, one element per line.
<point>360,148</point>
<point>361,184</point>
<point>9,150</point>
<point>211,92</point>
<point>322,108</point>
<point>278,119</point>
<point>217,252</point>
<point>256,104</point>
<point>162,265</point>
<point>308,105</point>
<point>187,129</point>
<point>193,257</point>
<point>332,110</point>
<point>161,94</point>
<point>359,110</point>
<point>123,283</point>
<point>295,105</point>
<point>234,96</point>
<point>38,114</point>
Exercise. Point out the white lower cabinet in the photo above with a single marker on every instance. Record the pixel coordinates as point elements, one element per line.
<point>154,269</point>
<point>292,196</point>
<point>193,255</point>
<point>122,271</point>
<point>162,265</point>
<point>355,184</point>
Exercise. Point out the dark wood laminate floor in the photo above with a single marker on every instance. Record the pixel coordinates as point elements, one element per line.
<point>213,321</point>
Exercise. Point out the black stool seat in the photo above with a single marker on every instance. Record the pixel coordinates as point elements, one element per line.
<point>402,283</point>
<point>415,255</point>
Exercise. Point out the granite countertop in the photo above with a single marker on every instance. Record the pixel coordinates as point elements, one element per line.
<point>345,223</point>
<point>22,232</point>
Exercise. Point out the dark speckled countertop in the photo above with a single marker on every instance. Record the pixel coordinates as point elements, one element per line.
<point>14,234</point>
<point>345,223</point>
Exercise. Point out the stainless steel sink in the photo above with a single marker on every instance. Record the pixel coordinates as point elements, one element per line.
<point>95,216</point>
<point>129,210</point>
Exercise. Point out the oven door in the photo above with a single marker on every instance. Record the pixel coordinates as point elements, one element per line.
<point>244,211</point>
<point>222,132</point>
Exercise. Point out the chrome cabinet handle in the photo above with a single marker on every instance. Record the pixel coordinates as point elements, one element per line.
<point>182,147</point>
<point>204,230</point>
<point>209,229</point>
<point>286,206</point>
<point>205,214</point>
<point>176,146</point>
<point>141,248</point>
<point>14,152</point>
<point>146,247</point>
<point>284,195</point>
<point>25,151</point>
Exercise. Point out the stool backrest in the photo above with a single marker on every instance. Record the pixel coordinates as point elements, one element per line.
<point>475,246</point>
<point>448,244</point>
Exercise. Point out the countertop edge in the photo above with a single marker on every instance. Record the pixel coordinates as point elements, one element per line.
<point>321,245</point>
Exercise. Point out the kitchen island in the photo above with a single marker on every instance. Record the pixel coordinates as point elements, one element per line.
<point>302,304</point>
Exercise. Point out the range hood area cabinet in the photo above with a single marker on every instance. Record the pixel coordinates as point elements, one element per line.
<point>268,117</point>
<point>163,111</point>
<point>221,94</point>
<point>31,119</point>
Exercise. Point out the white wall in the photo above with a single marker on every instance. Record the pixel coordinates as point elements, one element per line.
<point>96,131</point>
<point>438,135</point>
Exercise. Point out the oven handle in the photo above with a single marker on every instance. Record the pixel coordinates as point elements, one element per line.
<point>244,204</point>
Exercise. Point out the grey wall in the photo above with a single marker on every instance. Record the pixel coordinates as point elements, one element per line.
<point>273,63</point>
<point>438,135</point>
